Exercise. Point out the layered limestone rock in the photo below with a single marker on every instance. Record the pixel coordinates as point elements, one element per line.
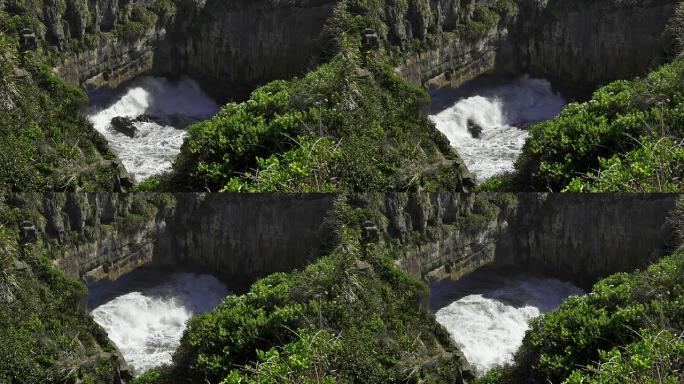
<point>457,54</point>
<point>577,44</point>
<point>112,61</point>
<point>587,43</point>
<point>577,237</point>
<point>97,235</point>
<point>229,46</point>
<point>233,46</point>
<point>101,43</point>
<point>239,237</point>
<point>443,235</point>
<point>587,236</point>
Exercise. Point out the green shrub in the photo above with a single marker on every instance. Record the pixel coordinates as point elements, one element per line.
<point>140,20</point>
<point>482,21</point>
<point>606,127</point>
<point>657,358</point>
<point>354,132</point>
<point>609,317</point>
<point>656,166</point>
<point>333,322</point>
<point>45,142</point>
<point>46,335</point>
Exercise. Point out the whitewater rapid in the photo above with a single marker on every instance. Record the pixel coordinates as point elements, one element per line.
<point>488,312</point>
<point>156,143</point>
<point>145,314</point>
<point>501,109</point>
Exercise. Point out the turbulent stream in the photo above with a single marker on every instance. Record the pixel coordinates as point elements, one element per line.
<point>497,107</point>
<point>487,312</point>
<point>165,106</point>
<point>145,312</point>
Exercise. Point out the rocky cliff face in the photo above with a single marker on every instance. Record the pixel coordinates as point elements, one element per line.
<point>232,46</point>
<point>457,55</point>
<point>111,62</point>
<point>237,237</point>
<point>95,235</point>
<point>240,237</point>
<point>444,235</point>
<point>577,237</point>
<point>102,43</point>
<point>585,237</point>
<point>229,46</point>
<point>577,44</point>
<point>587,43</point>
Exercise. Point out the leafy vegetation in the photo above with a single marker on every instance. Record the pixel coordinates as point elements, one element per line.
<point>45,141</point>
<point>46,335</point>
<point>350,124</point>
<point>351,316</point>
<point>357,129</point>
<point>658,357</point>
<point>140,21</point>
<point>626,330</point>
<point>626,138</point>
<point>656,166</point>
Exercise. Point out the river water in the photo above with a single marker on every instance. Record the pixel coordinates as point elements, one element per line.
<point>145,312</point>
<point>501,107</point>
<point>171,105</point>
<point>488,312</point>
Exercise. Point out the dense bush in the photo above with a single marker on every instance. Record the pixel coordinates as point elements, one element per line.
<point>45,142</point>
<point>141,19</point>
<point>609,126</point>
<point>46,336</point>
<point>657,165</point>
<point>656,358</point>
<point>627,314</point>
<point>351,316</point>
<point>356,129</point>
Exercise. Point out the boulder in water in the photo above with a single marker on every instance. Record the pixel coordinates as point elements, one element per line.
<point>124,125</point>
<point>475,129</point>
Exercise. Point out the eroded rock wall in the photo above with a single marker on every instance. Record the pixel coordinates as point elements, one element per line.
<point>455,56</point>
<point>233,46</point>
<point>92,236</point>
<point>587,43</point>
<point>239,237</point>
<point>111,62</point>
<point>438,235</point>
<point>576,237</point>
<point>229,46</point>
<point>583,237</point>
<point>96,43</point>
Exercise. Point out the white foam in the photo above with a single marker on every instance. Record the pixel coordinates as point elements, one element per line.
<point>147,324</point>
<point>154,146</point>
<point>489,324</point>
<point>499,110</point>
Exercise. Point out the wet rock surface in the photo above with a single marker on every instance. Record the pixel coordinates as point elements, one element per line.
<point>124,125</point>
